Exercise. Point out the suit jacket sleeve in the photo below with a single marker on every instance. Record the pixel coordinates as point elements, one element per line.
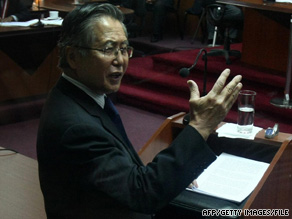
<point>110,169</point>
<point>18,9</point>
<point>82,157</point>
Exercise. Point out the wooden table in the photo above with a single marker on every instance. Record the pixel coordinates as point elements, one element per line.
<point>260,4</point>
<point>30,69</point>
<point>69,5</point>
<point>28,60</point>
<point>267,39</point>
<point>172,127</point>
<point>16,31</point>
<point>274,190</point>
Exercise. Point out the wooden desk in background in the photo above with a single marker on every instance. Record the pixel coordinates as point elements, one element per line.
<point>29,56</point>
<point>267,39</point>
<point>68,5</point>
<point>28,60</point>
<point>265,34</point>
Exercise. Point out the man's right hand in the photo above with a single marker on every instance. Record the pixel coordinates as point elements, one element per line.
<point>208,111</point>
<point>7,19</point>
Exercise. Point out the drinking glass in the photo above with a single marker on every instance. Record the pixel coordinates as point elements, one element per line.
<point>246,111</point>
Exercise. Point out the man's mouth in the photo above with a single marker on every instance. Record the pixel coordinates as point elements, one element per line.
<point>116,75</point>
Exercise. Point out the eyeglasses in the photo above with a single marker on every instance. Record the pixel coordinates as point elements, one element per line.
<point>112,52</point>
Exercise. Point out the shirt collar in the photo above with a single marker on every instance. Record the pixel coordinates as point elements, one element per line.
<point>98,98</point>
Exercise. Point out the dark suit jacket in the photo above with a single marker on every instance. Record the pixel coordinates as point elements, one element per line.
<point>17,8</point>
<point>86,169</point>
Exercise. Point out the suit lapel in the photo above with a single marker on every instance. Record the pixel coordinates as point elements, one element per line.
<point>81,98</point>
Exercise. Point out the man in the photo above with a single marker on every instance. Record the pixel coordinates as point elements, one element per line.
<point>87,167</point>
<point>159,9</point>
<point>231,12</point>
<point>13,10</point>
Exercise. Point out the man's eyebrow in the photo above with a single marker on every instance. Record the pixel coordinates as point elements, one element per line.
<point>114,43</point>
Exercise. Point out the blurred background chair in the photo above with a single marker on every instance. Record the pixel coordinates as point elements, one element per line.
<point>172,10</point>
<point>215,16</point>
<point>197,10</point>
<point>175,10</point>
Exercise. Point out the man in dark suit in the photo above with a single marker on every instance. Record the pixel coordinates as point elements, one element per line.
<point>159,9</point>
<point>13,10</point>
<point>231,12</point>
<point>87,166</point>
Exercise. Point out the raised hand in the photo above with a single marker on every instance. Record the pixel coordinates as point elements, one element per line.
<point>208,111</point>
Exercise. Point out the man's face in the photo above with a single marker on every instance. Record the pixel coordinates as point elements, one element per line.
<point>98,71</point>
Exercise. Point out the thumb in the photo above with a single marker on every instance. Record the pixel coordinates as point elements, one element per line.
<point>194,90</point>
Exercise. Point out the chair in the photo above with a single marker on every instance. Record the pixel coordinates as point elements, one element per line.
<point>197,10</point>
<point>215,15</point>
<point>173,10</point>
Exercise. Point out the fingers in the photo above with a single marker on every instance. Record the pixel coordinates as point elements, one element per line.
<point>208,111</point>
<point>7,19</point>
<point>194,90</point>
<point>220,83</point>
<point>230,91</point>
<point>193,185</point>
<point>232,86</point>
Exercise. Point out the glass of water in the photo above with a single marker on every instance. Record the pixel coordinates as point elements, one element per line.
<point>246,110</point>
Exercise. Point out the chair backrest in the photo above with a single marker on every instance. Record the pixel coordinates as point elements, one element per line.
<point>215,14</point>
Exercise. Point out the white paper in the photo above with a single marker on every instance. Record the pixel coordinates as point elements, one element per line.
<point>287,1</point>
<point>18,24</point>
<point>231,177</point>
<point>57,22</point>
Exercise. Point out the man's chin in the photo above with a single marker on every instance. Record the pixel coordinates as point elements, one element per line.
<point>113,89</point>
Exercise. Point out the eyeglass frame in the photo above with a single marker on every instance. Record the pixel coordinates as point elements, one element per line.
<point>115,53</point>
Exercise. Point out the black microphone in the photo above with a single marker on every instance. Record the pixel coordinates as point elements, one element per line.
<point>184,72</point>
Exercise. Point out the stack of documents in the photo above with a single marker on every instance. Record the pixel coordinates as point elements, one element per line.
<point>230,177</point>
<point>57,22</point>
<point>287,1</point>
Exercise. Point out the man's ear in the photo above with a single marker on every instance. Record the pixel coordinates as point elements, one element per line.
<point>71,56</point>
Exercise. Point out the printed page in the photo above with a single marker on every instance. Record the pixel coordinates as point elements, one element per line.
<point>287,1</point>
<point>231,177</point>
<point>19,24</point>
<point>57,22</point>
